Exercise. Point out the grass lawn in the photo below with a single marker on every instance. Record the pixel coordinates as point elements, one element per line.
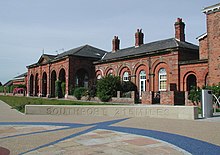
<point>19,103</point>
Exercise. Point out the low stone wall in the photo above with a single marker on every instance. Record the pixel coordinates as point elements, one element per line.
<point>165,98</point>
<point>153,111</point>
<point>117,99</point>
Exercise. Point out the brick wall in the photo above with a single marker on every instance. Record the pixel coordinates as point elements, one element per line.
<point>213,32</point>
<point>150,65</point>
<point>203,48</point>
<point>200,70</point>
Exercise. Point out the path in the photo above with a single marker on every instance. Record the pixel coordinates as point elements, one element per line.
<point>29,134</point>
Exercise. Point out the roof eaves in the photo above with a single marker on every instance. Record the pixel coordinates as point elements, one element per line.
<point>202,36</point>
<point>210,9</point>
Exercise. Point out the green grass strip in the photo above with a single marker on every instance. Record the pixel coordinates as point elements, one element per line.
<point>19,103</point>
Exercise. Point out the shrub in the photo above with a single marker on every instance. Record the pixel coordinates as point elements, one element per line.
<point>79,92</point>
<point>195,95</point>
<point>63,87</point>
<point>58,92</point>
<point>1,89</point>
<point>127,86</point>
<point>92,91</point>
<point>107,87</point>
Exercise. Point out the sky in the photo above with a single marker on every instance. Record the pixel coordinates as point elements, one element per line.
<point>29,27</point>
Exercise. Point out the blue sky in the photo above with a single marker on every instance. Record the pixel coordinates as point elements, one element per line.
<point>27,26</point>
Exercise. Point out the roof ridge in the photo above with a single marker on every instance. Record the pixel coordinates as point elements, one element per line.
<point>82,47</point>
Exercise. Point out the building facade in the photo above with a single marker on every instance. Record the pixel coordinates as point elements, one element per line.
<point>74,68</point>
<point>169,65</point>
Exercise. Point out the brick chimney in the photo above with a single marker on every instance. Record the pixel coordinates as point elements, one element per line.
<point>180,29</point>
<point>139,38</point>
<point>115,44</point>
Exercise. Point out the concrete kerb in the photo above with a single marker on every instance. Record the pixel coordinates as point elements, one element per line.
<point>152,111</point>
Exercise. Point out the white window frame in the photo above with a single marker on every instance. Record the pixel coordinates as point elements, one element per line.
<point>126,76</point>
<point>142,79</point>
<point>162,73</point>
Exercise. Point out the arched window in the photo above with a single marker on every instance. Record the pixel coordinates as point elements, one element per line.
<point>126,76</point>
<point>162,79</point>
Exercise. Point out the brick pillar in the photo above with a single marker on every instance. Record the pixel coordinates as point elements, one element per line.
<point>167,97</point>
<point>146,97</point>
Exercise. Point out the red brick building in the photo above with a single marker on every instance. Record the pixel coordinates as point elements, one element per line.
<point>168,65</point>
<point>74,68</point>
<point>172,65</point>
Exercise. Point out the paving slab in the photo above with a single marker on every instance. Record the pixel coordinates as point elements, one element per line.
<point>44,134</point>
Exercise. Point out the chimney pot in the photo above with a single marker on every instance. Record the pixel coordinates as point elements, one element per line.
<point>180,29</point>
<point>139,38</point>
<point>115,44</point>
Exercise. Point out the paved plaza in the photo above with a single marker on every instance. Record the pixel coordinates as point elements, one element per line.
<point>81,135</point>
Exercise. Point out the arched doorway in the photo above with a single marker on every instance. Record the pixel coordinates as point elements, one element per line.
<point>53,81</point>
<point>62,75</point>
<point>44,85</point>
<point>62,78</point>
<point>31,86</point>
<point>82,78</point>
<point>191,82</point>
<point>36,85</point>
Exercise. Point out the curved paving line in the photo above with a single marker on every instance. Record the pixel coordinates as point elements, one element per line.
<point>194,146</point>
<point>62,139</point>
<point>37,132</point>
<point>75,125</point>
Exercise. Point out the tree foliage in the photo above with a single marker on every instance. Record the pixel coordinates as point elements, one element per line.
<point>107,87</point>
<point>196,92</point>
<point>58,89</point>
<point>79,92</point>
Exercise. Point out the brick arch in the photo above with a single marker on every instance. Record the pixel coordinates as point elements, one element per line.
<point>108,70</point>
<point>62,74</point>
<point>99,72</point>
<point>205,75</point>
<point>157,62</point>
<point>37,84</point>
<point>53,78</point>
<point>31,84</point>
<point>60,68</point>
<point>54,69</point>
<point>138,69</point>
<point>122,70</point>
<point>156,69</point>
<point>44,84</point>
<point>136,66</point>
<point>121,67</point>
<point>185,79</point>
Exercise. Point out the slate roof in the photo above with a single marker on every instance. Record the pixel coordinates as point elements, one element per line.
<point>82,51</point>
<point>148,48</point>
<point>21,75</point>
<point>9,83</point>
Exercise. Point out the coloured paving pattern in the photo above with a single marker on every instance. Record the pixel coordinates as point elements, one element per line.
<point>97,138</point>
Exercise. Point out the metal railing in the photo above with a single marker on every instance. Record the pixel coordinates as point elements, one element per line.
<point>216,102</point>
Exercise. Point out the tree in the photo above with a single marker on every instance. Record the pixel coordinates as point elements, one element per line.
<point>0,84</point>
<point>107,87</point>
